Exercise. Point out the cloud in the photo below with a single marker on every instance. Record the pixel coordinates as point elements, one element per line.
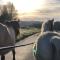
<point>52,6</point>
<point>53,2</point>
<point>57,0</point>
<point>49,10</point>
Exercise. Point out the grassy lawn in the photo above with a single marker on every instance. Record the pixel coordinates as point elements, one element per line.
<point>25,32</point>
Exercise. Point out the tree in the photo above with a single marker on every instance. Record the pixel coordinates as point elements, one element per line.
<point>4,15</point>
<point>12,11</point>
<point>8,12</point>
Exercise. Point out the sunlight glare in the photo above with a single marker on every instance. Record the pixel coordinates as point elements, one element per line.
<point>26,6</point>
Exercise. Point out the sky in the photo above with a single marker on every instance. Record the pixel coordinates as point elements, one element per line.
<point>36,8</point>
<point>26,5</point>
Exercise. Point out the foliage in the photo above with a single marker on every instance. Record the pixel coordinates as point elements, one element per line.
<point>8,12</point>
<point>24,32</point>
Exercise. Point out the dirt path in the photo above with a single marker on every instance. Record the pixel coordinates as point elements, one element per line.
<point>24,53</point>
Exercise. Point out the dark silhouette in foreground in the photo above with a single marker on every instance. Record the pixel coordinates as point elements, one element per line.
<point>47,26</point>
<point>47,46</point>
<point>8,33</point>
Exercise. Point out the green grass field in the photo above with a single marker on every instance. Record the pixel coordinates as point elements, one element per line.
<point>25,32</point>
